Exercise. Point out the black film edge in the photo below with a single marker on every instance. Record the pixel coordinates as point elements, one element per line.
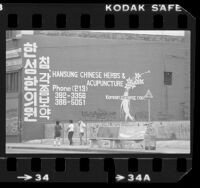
<point>124,75</point>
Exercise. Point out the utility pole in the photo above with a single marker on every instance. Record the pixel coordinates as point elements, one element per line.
<point>149,96</point>
<point>149,110</point>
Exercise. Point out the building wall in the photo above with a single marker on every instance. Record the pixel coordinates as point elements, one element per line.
<point>13,86</point>
<point>129,56</point>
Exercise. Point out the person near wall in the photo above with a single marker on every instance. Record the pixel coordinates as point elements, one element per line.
<point>82,127</point>
<point>57,134</point>
<point>70,131</point>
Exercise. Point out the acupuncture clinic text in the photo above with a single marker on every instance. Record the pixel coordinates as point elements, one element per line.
<point>142,8</point>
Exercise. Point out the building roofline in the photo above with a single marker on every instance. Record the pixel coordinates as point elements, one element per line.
<point>113,35</point>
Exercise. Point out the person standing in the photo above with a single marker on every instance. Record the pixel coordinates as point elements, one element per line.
<point>70,131</point>
<point>57,134</point>
<point>82,127</point>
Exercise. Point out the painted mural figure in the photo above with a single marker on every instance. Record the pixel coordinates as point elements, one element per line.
<point>125,105</point>
<point>131,84</point>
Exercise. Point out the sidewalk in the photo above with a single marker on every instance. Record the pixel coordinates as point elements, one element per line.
<point>84,149</point>
<point>162,147</point>
<point>46,146</point>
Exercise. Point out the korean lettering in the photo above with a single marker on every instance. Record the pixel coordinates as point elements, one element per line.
<point>30,82</point>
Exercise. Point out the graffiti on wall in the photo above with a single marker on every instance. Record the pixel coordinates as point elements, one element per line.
<point>99,114</point>
<point>141,116</point>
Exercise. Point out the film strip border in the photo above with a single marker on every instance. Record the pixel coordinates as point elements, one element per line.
<point>89,16</point>
<point>109,170</point>
<point>86,21</point>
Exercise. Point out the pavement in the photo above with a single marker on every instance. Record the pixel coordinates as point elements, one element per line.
<point>162,147</point>
<point>37,151</point>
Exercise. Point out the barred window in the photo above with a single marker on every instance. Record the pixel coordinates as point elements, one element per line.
<point>9,34</point>
<point>12,82</point>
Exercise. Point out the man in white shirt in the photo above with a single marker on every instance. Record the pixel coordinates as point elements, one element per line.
<point>70,131</point>
<point>82,127</point>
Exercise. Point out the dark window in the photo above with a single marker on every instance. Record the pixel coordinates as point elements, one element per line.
<point>167,78</point>
<point>12,82</point>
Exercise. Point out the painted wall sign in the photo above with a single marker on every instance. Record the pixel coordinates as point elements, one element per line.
<point>61,85</point>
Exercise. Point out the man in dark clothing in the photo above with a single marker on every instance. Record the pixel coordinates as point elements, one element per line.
<point>57,135</point>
